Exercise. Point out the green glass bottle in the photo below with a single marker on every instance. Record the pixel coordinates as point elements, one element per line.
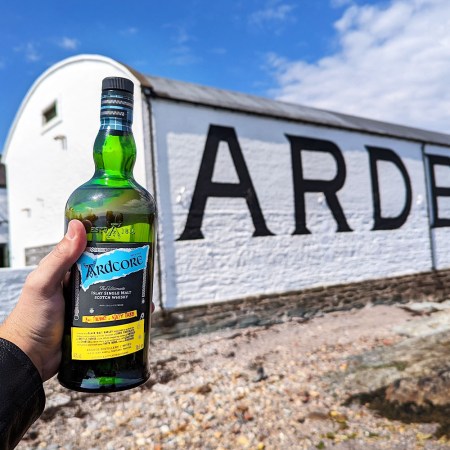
<point>108,299</point>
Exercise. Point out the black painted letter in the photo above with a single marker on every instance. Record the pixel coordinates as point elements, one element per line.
<point>387,223</point>
<point>328,187</point>
<point>436,191</point>
<point>205,187</point>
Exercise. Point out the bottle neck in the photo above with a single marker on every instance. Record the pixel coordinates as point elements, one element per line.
<point>114,147</point>
<point>116,112</point>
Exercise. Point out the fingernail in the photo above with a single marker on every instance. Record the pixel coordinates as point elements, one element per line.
<point>70,234</point>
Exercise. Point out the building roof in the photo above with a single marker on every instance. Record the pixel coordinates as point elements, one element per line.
<point>195,94</point>
<point>218,98</point>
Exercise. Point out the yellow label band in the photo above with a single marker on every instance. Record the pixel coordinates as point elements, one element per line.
<point>110,317</point>
<point>107,342</point>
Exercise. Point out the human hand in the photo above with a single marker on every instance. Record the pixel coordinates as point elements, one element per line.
<point>36,324</point>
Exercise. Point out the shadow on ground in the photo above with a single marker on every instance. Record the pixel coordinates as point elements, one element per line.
<point>408,412</point>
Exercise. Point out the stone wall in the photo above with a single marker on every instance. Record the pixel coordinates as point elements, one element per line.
<point>270,309</point>
<point>301,305</point>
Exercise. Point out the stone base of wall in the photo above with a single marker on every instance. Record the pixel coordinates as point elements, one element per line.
<point>299,306</point>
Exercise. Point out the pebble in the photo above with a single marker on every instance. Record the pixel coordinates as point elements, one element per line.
<point>213,400</point>
<point>162,389</point>
<point>57,399</point>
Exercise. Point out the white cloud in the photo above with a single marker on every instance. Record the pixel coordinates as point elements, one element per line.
<point>392,63</point>
<point>68,43</point>
<point>30,51</point>
<point>340,3</point>
<point>274,13</point>
<point>219,51</point>
<point>182,53</point>
<point>182,36</point>
<point>130,31</point>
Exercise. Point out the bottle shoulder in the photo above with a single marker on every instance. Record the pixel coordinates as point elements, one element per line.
<point>132,197</point>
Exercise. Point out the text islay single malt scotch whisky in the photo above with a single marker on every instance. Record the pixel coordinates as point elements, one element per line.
<point>108,300</point>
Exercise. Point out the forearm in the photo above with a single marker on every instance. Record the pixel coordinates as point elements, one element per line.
<point>22,397</point>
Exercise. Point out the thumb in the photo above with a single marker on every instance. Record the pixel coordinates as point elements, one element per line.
<point>52,269</point>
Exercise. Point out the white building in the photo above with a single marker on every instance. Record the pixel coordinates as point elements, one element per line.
<point>4,233</point>
<point>255,196</point>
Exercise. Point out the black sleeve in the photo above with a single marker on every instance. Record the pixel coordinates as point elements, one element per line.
<point>22,397</point>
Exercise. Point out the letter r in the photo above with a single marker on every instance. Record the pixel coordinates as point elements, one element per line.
<point>328,187</point>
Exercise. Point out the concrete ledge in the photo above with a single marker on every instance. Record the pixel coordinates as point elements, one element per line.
<point>301,305</point>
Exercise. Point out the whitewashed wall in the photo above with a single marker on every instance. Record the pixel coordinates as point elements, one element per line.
<point>230,263</point>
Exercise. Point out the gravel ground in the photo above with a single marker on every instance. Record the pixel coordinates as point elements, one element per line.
<point>255,388</point>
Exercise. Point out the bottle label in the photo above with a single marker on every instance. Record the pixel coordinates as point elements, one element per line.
<point>110,307</point>
<point>111,265</point>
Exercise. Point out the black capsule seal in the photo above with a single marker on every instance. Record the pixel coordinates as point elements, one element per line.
<point>118,83</point>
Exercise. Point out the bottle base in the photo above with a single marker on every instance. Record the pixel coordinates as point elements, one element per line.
<point>103,385</point>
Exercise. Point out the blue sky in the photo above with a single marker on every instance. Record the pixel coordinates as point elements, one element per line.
<point>387,59</point>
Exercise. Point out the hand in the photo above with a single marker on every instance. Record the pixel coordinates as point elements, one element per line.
<point>37,322</point>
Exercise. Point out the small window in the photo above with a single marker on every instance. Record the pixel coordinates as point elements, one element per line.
<point>49,113</point>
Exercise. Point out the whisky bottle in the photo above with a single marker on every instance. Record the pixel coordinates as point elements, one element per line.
<point>108,299</point>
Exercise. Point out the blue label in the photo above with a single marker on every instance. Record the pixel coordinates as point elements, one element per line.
<point>111,265</point>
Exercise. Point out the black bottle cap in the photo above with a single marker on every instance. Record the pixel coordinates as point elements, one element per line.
<point>121,84</point>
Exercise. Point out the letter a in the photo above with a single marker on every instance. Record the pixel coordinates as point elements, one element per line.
<point>205,187</point>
